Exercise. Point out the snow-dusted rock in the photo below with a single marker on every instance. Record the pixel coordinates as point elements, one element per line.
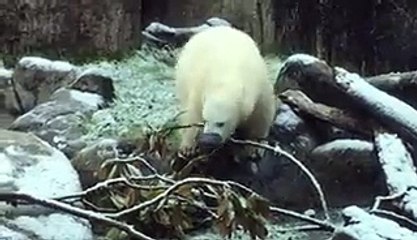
<point>5,77</point>
<point>36,78</point>
<point>5,81</point>
<point>295,136</point>
<point>59,121</point>
<point>30,165</point>
<point>360,225</point>
<point>95,80</point>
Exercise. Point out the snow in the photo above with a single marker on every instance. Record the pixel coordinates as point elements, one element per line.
<point>92,99</point>
<point>394,109</point>
<point>302,57</point>
<point>33,62</point>
<point>343,145</point>
<point>396,162</point>
<point>362,225</point>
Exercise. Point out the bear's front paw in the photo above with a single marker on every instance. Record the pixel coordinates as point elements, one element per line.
<point>188,151</point>
<point>255,152</point>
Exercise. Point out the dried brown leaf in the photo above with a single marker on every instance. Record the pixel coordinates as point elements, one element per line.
<point>131,197</point>
<point>115,233</point>
<point>257,228</point>
<point>106,172</point>
<point>118,201</point>
<point>185,191</point>
<point>176,219</point>
<point>151,193</point>
<point>131,170</point>
<point>226,215</point>
<point>259,205</point>
<point>163,217</point>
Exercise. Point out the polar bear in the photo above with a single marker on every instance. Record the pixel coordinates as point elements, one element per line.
<point>222,81</point>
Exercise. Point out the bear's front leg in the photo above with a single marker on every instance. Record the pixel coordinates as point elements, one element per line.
<point>258,125</point>
<point>188,145</point>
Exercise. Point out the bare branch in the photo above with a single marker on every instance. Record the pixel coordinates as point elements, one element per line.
<point>278,150</point>
<point>107,183</point>
<point>87,214</point>
<point>132,159</point>
<point>380,199</point>
<point>325,225</point>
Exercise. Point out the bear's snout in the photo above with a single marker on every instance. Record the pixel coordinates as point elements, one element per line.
<point>209,141</point>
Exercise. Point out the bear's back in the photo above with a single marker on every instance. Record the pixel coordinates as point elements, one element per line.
<point>217,55</point>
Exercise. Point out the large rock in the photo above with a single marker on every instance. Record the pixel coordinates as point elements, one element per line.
<point>282,181</point>
<point>32,166</point>
<point>59,121</point>
<point>36,78</point>
<point>6,93</point>
<point>5,82</point>
<point>94,80</point>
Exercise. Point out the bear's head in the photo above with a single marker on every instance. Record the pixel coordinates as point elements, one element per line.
<point>221,117</point>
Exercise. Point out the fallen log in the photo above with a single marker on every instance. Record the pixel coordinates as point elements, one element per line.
<point>360,225</point>
<point>306,72</point>
<point>402,85</point>
<point>352,149</point>
<point>312,76</point>
<point>344,119</point>
<point>160,34</point>
<point>390,111</point>
<point>394,81</point>
<point>400,173</point>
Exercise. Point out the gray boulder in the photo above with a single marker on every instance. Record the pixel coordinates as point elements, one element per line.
<point>59,121</point>
<point>35,79</point>
<point>32,166</point>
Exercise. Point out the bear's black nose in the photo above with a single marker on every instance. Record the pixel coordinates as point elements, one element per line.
<point>209,141</point>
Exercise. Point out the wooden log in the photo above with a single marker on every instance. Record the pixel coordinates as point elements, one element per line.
<point>400,172</point>
<point>401,85</point>
<point>160,34</point>
<point>394,81</point>
<point>390,111</point>
<point>350,150</point>
<point>360,225</point>
<point>344,119</point>
<point>310,74</point>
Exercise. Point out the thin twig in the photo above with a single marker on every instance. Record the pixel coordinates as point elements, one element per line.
<point>304,228</point>
<point>132,159</point>
<point>96,208</point>
<point>380,199</point>
<point>324,224</point>
<point>278,150</point>
<point>87,214</point>
<point>177,127</point>
<point>107,183</point>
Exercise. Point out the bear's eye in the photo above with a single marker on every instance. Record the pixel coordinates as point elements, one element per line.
<point>220,124</point>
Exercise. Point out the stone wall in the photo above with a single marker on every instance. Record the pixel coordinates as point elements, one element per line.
<point>80,27</point>
<point>253,16</point>
<point>365,36</point>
